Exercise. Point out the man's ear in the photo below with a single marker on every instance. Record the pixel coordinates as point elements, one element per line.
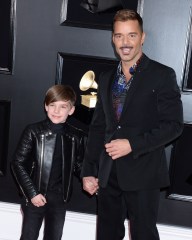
<point>72,110</point>
<point>112,38</point>
<point>143,38</point>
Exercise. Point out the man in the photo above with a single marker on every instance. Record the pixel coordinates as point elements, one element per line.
<point>138,112</point>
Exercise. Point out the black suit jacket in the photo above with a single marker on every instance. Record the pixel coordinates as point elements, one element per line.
<point>152,116</point>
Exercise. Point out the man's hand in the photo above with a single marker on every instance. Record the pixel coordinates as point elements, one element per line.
<point>118,148</point>
<point>39,200</point>
<point>90,184</point>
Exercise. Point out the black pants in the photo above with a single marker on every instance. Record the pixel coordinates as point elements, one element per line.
<point>142,207</point>
<point>53,214</point>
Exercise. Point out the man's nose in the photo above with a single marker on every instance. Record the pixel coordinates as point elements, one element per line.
<point>125,40</point>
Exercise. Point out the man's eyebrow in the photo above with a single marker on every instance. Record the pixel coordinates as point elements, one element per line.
<point>133,33</point>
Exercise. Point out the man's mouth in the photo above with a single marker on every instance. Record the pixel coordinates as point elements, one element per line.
<point>126,50</point>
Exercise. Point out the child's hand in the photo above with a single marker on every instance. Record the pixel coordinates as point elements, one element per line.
<point>90,184</point>
<point>39,200</point>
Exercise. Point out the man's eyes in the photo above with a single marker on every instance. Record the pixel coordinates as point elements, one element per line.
<point>132,35</point>
<point>118,36</point>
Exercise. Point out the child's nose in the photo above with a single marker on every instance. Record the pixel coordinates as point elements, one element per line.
<point>56,109</point>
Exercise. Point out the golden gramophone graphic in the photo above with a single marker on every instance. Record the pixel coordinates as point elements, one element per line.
<point>87,82</point>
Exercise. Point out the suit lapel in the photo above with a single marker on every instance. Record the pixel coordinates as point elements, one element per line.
<point>134,85</point>
<point>109,95</point>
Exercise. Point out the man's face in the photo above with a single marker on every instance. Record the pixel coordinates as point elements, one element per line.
<point>58,111</point>
<point>128,40</point>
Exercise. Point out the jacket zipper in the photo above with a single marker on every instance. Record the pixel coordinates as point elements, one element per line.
<point>33,165</point>
<point>26,199</point>
<point>41,159</point>
<point>71,172</point>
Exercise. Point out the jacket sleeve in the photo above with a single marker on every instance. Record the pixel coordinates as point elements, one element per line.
<point>80,151</point>
<point>170,114</point>
<point>22,164</point>
<point>96,138</point>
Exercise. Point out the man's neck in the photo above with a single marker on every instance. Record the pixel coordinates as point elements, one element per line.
<point>128,66</point>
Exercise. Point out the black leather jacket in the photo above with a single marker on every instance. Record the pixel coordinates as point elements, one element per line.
<point>33,158</point>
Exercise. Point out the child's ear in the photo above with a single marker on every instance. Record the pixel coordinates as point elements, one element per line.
<point>72,110</point>
<point>46,107</point>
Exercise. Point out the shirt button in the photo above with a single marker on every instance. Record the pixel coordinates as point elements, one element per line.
<point>118,127</point>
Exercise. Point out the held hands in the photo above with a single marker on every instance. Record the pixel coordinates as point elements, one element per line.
<point>90,185</point>
<point>39,200</point>
<point>118,148</point>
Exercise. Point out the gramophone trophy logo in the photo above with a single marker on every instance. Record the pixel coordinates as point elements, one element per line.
<point>87,82</point>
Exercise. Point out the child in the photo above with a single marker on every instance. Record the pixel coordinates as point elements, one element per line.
<point>43,166</point>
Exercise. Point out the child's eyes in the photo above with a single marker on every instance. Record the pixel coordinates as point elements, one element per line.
<point>61,106</point>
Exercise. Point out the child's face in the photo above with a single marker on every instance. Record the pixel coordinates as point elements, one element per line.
<point>58,111</point>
